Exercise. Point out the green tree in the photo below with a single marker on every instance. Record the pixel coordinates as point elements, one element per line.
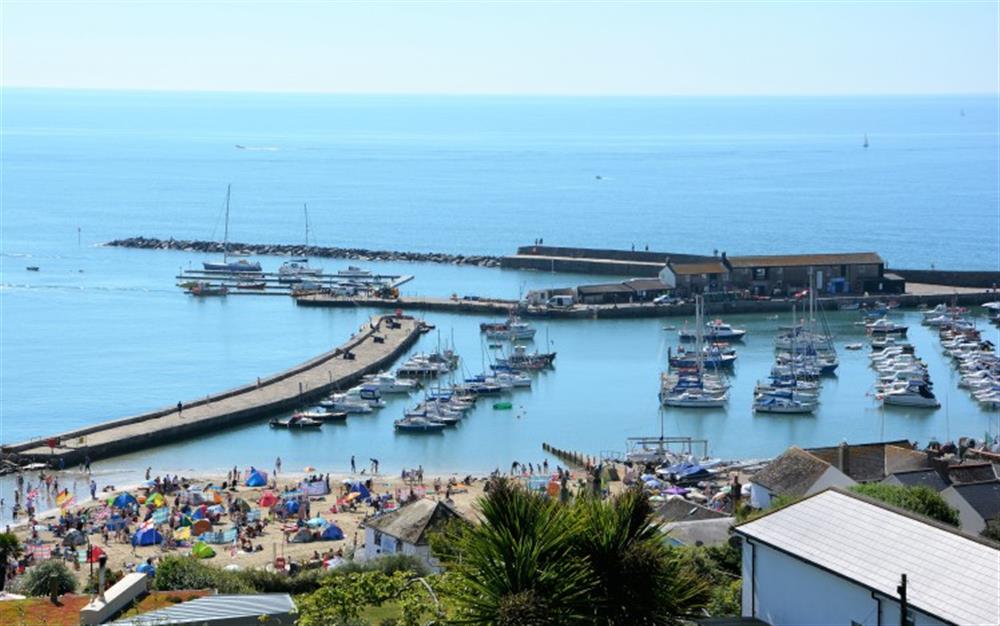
<point>639,580</point>
<point>340,600</point>
<point>10,548</point>
<point>992,530</point>
<point>520,564</point>
<point>918,499</point>
<point>49,578</point>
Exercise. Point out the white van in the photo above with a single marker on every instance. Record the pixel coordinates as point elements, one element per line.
<point>560,301</point>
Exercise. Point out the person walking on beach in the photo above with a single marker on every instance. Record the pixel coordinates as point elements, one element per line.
<point>352,464</point>
<point>86,463</point>
<point>277,465</point>
<point>93,490</point>
<point>148,472</point>
<point>179,407</point>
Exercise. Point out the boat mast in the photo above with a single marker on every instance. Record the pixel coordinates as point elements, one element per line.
<point>305,209</point>
<point>225,237</point>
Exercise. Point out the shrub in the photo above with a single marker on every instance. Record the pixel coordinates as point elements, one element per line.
<point>41,580</point>
<point>919,499</point>
<point>184,572</point>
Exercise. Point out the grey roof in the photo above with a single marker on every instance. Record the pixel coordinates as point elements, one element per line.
<point>646,284</point>
<point>220,610</point>
<point>677,509</point>
<point>971,473</point>
<point>984,497</point>
<point>804,260</point>
<point>411,522</point>
<point>604,288</point>
<point>707,532</point>
<point>792,473</point>
<point>950,575</point>
<point>925,477</point>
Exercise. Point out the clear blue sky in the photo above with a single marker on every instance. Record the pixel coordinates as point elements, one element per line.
<point>505,47</point>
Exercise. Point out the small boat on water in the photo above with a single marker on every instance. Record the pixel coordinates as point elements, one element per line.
<point>714,331</point>
<point>322,414</point>
<point>295,422</point>
<point>883,326</point>
<point>387,383</point>
<point>418,425</point>
<point>32,268</point>
<point>256,285</point>
<point>779,404</point>
<point>202,289</point>
<point>354,272</point>
<point>347,404</point>
<point>916,395</point>
<point>511,330</point>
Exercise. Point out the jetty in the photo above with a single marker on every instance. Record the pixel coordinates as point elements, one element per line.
<point>372,348</point>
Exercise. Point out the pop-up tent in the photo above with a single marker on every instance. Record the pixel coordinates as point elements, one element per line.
<point>74,538</point>
<point>146,568</point>
<point>146,537</point>
<point>202,551</point>
<point>156,499</point>
<point>292,506</point>
<point>332,533</point>
<point>359,488</point>
<point>200,527</point>
<point>115,522</point>
<point>256,478</point>
<point>123,500</point>
<point>316,522</point>
<point>302,536</point>
<point>94,554</point>
<point>267,500</point>
<point>241,505</point>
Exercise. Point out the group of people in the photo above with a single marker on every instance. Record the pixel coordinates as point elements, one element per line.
<point>517,468</point>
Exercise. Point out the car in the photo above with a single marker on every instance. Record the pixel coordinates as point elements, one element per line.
<point>664,299</point>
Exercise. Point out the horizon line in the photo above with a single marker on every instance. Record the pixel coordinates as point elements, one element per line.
<point>501,94</point>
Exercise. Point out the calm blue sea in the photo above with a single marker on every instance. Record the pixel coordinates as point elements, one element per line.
<point>99,333</point>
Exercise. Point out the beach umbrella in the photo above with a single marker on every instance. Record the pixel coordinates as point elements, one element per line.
<point>316,522</point>
<point>147,569</point>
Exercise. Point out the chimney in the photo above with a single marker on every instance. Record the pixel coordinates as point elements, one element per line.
<point>843,457</point>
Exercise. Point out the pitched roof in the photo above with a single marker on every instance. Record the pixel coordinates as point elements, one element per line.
<point>950,575</point>
<point>604,288</point>
<point>706,267</point>
<point>645,284</point>
<point>925,477</point>
<point>225,608</point>
<point>705,532</point>
<point>805,260</point>
<point>865,462</point>
<point>984,497</point>
<point>792,473</point>
<point>411,522</point>
<point>971,472</point>
<point>677,509</point>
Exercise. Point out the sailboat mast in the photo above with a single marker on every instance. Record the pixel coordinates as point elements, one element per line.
<point>305,210</point>
<point>225,237</point>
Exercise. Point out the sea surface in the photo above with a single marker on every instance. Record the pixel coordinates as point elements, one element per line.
<point>100,333</point>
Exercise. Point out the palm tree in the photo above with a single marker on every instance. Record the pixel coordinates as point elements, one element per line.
<point>639,580</point>
<point>10,548</point>
<point>519,565</point>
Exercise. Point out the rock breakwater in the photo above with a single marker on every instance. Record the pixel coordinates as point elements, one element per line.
<point>354,254</point>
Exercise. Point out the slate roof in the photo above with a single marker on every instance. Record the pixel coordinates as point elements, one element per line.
<point>866,462</point>
<point>706,532</point>
<point>971,473</point>
<point>411,522</point>
<point>950,575</point>
<point>604,288</point>
<point>792,473</point>
<point>984,497</point>
<point>677,509</point>
<point>804,260</point>
<point>646,284</point>
<point>223,608</point>
<point>925,477</point>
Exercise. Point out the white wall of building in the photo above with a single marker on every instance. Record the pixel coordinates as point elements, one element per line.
<point>379,544</point>
<point>667,277</point>
<point>784,591</point>
<point>760,497</point>
<point>969,519</point>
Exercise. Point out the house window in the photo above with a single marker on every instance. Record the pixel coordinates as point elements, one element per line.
<point>843,270</point>
<point>760,273</point>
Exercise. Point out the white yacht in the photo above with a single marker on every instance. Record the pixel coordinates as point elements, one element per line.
<point>387,383</point>
<point>913,396</point>
<point>347,404</point>
<point>778,404</point>
<point>714,331</point>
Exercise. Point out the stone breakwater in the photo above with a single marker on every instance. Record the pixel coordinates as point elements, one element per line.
<point>354,254</point>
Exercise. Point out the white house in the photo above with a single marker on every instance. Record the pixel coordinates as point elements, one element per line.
<point>795,473</point>
<point>839,558</point>
<point>405,530</point>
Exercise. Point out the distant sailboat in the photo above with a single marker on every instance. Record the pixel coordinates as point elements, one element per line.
<point>865,144</point>
<point>230,266</point>
<point>293,270</point>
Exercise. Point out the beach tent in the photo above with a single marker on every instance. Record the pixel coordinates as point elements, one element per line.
<point>267,500</point>
<point>332,533</point>
<point>183,533</point>
<point>316,522</point>
<point>156,499</point>
<point>292,506</point>
<point>256,479</point>
<point>146,537</point>
<point>202,551</point>
<point>362,491</point>
<point>147,569</point>
<point>123,500</point>
<point>200,527</point>
<point>94,554</point>
<point>217,508</point>
<point>303,536</point>
<point>74,538</point>
<point>185,520</point>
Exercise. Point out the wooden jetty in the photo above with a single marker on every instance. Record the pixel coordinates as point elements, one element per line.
<point>374,347</point>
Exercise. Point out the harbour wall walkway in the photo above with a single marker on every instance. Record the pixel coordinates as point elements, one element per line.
<point>374,347</point>
<point>494,307</point>
<point>594,261</point>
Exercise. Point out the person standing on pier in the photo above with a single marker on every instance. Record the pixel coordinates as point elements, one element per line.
<point>179,407</point>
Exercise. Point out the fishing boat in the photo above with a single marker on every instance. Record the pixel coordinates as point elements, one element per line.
<point>241,265</point>
<point>295,422</point>
<point>520,358</point>
<point>715,330</point>
<point>203,289</point>
<point>511,330</point>
<point>883,326</point>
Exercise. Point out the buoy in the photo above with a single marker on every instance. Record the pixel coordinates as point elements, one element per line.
<point>502,405</point>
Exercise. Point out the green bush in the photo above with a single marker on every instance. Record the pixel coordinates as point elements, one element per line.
<point>919,499</point>
<point>38,580</point>
<point>184,572</point>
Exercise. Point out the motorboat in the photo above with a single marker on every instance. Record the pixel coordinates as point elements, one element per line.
<point>714,331</point>
<point>298,267</point>
<point>520,358</point>
<point>203,289</point>
<point>510,330</point>
<point>322,414</point>
<point>294,422</point>
<point>883,326</point>
<point>387,383</point>
<point>778,404</point>
<point>363,393</point>
<point>347,404</point>
<point>354,272</point>
<point>418,424</point>
<point>919,396</point>
<point>695,399</point>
